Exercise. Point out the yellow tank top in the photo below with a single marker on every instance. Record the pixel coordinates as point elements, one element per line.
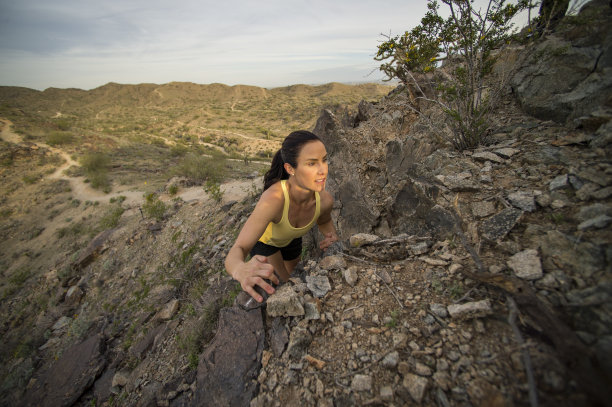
<point>282,233</point>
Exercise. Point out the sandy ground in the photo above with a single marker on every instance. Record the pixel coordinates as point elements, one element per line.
<point>233,190</point>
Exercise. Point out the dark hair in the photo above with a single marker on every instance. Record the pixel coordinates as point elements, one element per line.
<point>289,152</point>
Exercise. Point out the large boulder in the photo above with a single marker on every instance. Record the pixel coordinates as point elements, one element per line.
<point>568,76</point>
<point>65,381</point>
<point>228,368</point>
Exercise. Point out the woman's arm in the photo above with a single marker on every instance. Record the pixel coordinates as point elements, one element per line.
<point>325,223</point>
<point>255,271</point>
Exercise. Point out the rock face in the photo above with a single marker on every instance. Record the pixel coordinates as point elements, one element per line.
<point>229,365</point>
<point>66,380</point>
<point>396,317</point>
<point>565,78</point>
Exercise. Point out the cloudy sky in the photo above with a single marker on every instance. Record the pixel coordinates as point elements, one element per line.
<point>88,43</point>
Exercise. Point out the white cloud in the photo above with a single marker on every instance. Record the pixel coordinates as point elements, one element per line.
<point>82,43</point>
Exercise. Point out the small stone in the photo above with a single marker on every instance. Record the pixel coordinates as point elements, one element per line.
<point>61,324</point>
<point>416,386</point>
<point>454,268</point>
<point>603,193</point>
<point>390,361</point>
<point>386,393</point>
<point>361,239</point>
<point>403,368</point>
<point>506,152</point>
<point>312,310</point>
<point>599,222</point>
<point>120,379</point>
<point>443,380</point>
<point>298,342</point>
<point>422,369</point>
<point>526,264</point>
<point>544,200</point>
<point>482,209</point>
<point>361,382</point>
<point>284,302</point>
<point>319,364</point>
<point>433,262</point>
<point>498,226</point>
<point>385,277</point>
<point>319,285</point>
<point>350,275</point>
<point>593,211</point>
<point>523,200</point>
<point>169,310</point>
<point>441,365</point>
<point>332,263</point>
<point>586,191</point>
<point>488,156</point>
<point>439,310</point>
<point>562,181</point>
<point>419,248</point>
<point>558,204</point>
<point>73,295</point>
<point>470,309</point>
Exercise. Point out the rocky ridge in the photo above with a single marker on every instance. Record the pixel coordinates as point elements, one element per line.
<point>396,315</point>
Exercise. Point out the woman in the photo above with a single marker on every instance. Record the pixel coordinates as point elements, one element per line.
<point>294,199</point>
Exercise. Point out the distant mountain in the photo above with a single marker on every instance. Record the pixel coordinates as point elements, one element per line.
<point>175,95</point>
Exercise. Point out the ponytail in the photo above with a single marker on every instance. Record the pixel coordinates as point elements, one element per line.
<point>292,145</point>
<point>276,172</point>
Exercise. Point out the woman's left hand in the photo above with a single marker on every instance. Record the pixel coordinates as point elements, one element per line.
<point>330,238</point>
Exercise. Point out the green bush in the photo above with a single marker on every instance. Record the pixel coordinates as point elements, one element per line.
<point>213,188</point>
<point>31,178</point>
<point>95,161</point>
<point>173,189</point>
<point>199,168</point>
<point>153,207</point>
<point>465,41</point>
<point>111,218</point>
<point>59,138</point>
<point>178,150</point>
<point>96,166</point>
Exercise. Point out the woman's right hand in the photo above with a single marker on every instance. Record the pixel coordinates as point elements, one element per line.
<point>255,272</point>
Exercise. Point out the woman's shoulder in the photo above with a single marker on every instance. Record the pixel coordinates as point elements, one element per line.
<point>273,196</point>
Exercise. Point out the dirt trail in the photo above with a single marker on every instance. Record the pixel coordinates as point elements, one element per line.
<point>233,190</point>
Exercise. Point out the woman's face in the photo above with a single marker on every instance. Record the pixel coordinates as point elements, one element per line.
<point>311,171</point>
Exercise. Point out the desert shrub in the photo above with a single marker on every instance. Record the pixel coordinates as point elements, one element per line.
<point>5,213</point>
<point>178,150</point>
<point>95,161</point>
<point>74,229</point>
<point>153,207</point>
<point>159,142</point>
<point>111,218</point>
<point>96,166</point>
<point>173,189</point>
<point>31,178</point>
<point>59,138</point>
<point>213,188</point>
<point>19,277</point>
<point>466,42</point>
<point>64,123</point>
<point>199,168</point>
<point>119,199</point>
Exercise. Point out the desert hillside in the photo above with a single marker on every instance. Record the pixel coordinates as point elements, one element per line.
<point>475,277</point>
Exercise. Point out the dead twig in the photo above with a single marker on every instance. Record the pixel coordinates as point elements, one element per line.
<point>579,360</point>
<point>394,296</point>
<point>533,391</point>
<point>508,352</point>
<point>465,296</point>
